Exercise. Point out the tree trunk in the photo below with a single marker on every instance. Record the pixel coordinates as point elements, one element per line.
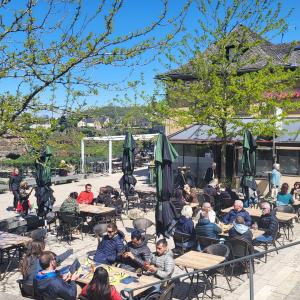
<point>223,161</point>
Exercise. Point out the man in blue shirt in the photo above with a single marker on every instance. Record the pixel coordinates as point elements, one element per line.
<point>48,283</point>
<point>275,180</point>
<point>237,210</point>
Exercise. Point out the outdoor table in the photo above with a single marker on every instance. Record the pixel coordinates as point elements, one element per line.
<point>255,233</point>
<point>116,274</point>
<point>8,242</point>
<point>198,260</point>
<point>256,213</point>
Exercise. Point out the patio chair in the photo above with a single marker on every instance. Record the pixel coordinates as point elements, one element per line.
<point>286,226</point>
<point>206,241</point>
<point>68,223</point>
<point>143,224</point>
<point>27,290</point>
<point>165,294</point>
<point>220,250</point>
<point>240,248</point>
<point>179,240</point>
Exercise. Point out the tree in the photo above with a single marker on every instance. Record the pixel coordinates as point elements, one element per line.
<point>52,44</point>
<point>233,77</point>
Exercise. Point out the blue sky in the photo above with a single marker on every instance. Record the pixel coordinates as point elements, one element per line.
<point>135,14</point>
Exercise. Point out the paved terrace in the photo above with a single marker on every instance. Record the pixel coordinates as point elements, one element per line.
<point>278,279</point>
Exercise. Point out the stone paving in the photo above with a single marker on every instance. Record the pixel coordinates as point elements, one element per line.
<point>278,279</point>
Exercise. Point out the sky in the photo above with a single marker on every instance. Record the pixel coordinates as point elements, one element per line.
<point>135,14</point>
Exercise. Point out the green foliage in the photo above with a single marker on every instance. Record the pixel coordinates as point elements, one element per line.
<point>224,89</point>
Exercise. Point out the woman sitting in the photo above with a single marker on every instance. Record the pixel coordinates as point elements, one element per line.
<point>29,265</point>
<point>99,287</point>
<point>284,197</point>
<point>185,225</point>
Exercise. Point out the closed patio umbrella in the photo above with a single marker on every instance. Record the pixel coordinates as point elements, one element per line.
<point>128,181</point>
<point>165,213</point>
<point>43,191</point>
<point>249,163</point>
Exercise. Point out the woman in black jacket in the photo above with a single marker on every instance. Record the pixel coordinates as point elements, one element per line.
<point>14,185</point>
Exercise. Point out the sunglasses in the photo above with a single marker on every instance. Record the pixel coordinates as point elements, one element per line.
<point>110,231</point>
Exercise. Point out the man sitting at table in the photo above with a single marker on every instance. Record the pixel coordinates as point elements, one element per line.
<point>70,205</point>
<point>237,210</point>
<point>240,230</point>
<point>48,283</point>
<point>87,196</point>
<point>111,247</point>
<point>137,252</point>
<point>267,222</point>
<point>206,228</point>
<point>207,211</point>
<point>211,188</point>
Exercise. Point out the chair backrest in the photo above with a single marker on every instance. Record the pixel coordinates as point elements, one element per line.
<point>285,208</point>
<point>167,293</point>
<point>218,249</point>
<point>68,218</point>
<point>206,241</point>
<point>142,223</point>
<point>27,290</point>
<point>180,237</point>
<point>239,247</point>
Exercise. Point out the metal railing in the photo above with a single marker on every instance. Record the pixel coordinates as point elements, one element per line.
<point>249,258</point>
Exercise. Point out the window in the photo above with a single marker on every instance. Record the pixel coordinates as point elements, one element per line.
<point>289,161</point>
<point>264,161</point>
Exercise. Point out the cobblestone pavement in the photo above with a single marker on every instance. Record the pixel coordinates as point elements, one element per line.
<point>278,279</point>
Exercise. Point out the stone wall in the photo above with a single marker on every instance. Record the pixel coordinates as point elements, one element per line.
<point>11,144</point>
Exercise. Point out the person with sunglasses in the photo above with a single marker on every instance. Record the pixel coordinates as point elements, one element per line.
<point>267,222</point>
<point>111,247</point>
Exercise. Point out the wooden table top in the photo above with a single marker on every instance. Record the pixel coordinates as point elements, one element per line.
<point>253,212</point>
<point>8,240</point>
<point>198,260</point>
<point>225,228</point>
<point>95,209</point>
<point>121,273</point>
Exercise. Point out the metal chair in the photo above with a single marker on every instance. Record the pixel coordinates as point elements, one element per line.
<point>220,250</point>
<point>167,293</point>
<point>266,244</point>
<point>143,224</point>
<point>179,240</point>
<point>68,223</point>
<point>206,241</point>
<point>240,248</point>
<point>99,230</point>
<point>286,226</point>
<point>27,290</point>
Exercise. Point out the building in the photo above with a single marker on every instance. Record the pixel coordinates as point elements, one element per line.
<point>96,123</point>
<point>197,149</point>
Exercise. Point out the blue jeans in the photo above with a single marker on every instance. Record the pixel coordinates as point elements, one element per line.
<point>263,239</point>
<point>250,201</point>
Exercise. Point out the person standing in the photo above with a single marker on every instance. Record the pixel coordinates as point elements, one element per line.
<point>211,173</point>
<point>14,186</point>
<point>275,180</point>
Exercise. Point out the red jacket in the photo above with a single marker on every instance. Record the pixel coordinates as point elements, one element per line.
<point>85,198</point>
<point>114,294</point>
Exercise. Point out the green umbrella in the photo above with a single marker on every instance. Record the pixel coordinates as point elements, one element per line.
<point>248,164</point>
<point>165,155</point>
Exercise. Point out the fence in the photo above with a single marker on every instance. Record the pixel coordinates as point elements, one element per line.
<point>248,258</point>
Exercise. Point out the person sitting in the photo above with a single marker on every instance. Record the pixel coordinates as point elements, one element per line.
<point>189,195</point>
<point>207,211</point>
<point>267,222</point>
<point>87,196</point>
<point>48,283</point>
<point>70,205</point>
<point>161,262</point>
<point>284,197</point>
<point>29,264</point>
<point>111,247</point>
<point>136,253</point>
<point>178,200</point>
<point>240,230</point>
<point>295,190</point>
<point>185,225</point>
<point>103,197</point>
<point>99,287</point>
<point>109,197</point>
<point>206,228</point>
<point>237,210</point>
<point>211,188</point>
